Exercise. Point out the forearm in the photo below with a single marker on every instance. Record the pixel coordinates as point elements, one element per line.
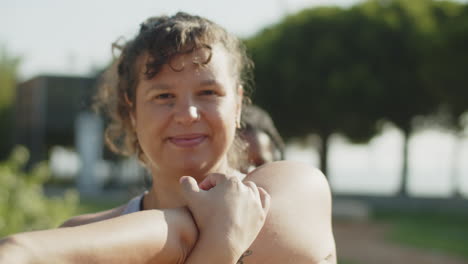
<point>152,236</point>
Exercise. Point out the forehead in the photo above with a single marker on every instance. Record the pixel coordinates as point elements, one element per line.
<point>215,59</point>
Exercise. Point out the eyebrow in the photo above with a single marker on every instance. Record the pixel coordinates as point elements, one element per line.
<point>166,87</point>
<point>209,82</point>
<point>158,87</point>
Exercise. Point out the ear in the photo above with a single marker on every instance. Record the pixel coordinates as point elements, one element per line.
<point>132,119</point>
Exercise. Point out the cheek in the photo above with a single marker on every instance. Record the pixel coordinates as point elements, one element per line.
<point>223,110</point>
<point>223,126</point>
<point>228,117</point>
<point>149,121</point>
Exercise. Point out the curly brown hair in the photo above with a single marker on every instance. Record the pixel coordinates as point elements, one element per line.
<point>162,38</point>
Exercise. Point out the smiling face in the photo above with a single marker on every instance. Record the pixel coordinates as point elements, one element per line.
<point>185,116</point>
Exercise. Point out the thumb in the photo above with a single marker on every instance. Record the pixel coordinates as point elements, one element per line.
<point>189,187</point>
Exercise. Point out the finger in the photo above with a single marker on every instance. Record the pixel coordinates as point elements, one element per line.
<point>211,180</point>
<point>189,187</point>
<point>265,198</point>
<point>253,187</point>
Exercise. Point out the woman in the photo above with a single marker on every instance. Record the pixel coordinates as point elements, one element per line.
<point>264,143</point>
<point>176,105</point>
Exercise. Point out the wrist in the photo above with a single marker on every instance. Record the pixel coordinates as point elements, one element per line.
<point>183,235</point>
<point>211,250</point>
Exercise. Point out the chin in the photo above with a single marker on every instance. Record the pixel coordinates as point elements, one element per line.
<point>194,167</point>
<point>200,169</point>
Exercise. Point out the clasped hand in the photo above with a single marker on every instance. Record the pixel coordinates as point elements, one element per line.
<point>227,211</point>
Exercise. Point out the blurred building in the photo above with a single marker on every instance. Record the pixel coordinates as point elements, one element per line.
<point>53,111</point>
<point>46,109</point>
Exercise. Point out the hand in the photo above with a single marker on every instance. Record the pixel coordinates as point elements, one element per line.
<point>228,212</point>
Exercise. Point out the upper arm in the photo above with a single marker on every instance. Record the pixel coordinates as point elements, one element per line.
<point>299,219</point>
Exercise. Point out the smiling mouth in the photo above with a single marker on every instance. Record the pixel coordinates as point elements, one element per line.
<point>187,141</point>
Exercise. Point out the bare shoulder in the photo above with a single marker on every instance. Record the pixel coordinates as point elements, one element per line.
<point>279,175</point>
<point>94,217</point>
<point>294,181</point>
<point>298,226</point>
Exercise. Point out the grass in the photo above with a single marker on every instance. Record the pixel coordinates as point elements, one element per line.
<point>340,261</point>
<point>435,231</point>
<point>92,206</point>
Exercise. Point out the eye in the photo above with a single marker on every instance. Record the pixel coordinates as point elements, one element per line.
<point>208,92</point>
<point>164,96</point>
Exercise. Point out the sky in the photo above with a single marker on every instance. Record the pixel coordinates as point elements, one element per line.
<point>74,37</point>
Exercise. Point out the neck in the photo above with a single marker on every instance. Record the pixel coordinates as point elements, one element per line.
<point>166,191</point>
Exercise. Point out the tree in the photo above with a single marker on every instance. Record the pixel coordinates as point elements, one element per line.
<point>445,70</point>
<point>331,70</point>
<point>406,96</point>
<point>313,75</point>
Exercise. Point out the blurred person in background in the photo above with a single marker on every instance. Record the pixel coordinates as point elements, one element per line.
<point>176,104</point>
<point>264,143</point>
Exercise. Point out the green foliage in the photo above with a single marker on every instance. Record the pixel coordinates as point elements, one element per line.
<point>23,205</point>
<point>409,25</point>
<point>445,68</point>
<point>8,70</point>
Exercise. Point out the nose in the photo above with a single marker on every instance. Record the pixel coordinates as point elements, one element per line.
<point>187,114</point>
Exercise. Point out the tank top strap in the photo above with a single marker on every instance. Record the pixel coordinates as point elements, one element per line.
<point>134,205</point>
